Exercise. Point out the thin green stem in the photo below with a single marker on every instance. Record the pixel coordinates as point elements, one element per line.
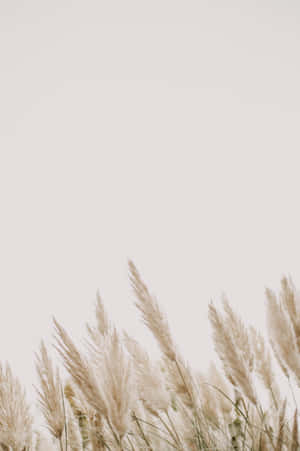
<point>173,426</point>
<point>169,430</point>
<point>157,435</point>
<point>142,431</point>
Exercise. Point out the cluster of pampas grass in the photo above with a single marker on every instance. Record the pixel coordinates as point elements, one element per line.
<point>116,398</point>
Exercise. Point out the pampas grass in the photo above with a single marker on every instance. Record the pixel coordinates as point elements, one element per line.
<point>116,397</point>
<point>15,418</point>
<point>50,396</point>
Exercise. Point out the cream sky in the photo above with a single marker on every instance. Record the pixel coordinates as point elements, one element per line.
<point>165,132</point>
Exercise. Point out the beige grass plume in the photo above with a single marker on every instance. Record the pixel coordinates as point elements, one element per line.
<point>263,366</point>
<point>15,417</point>
<point>119,382</point>
<point>79,369</point>
<point>151,384</point>
<point>215,405</point>
<point>97,333</point>
<point>152,315</point>
<point>237,365</point>
<point>50,394</point>
<point>179,375</point>
<point>290,299</point>
<point>107,386</point>
<point>282,333</point>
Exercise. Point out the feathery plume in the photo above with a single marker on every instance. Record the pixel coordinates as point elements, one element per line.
<point>179,373</point>
<point>79,369</point>
<point>235,366</point>
<point>282,335</point>
<point>239,333</point>
<point>119,385</point>
<point>102,328</point>
<point>152,316</point>
<point>263,365</point>
<point>291,302</point>
<point>49,396</point>
<point>151,385</point>
<point>15,418</point>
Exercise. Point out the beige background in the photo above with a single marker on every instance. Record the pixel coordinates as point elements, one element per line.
<point>166,132</point>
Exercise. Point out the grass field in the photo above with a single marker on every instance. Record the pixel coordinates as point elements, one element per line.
<point>116,397</point>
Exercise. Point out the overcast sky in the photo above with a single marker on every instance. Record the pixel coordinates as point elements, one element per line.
<point>161,131</point>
